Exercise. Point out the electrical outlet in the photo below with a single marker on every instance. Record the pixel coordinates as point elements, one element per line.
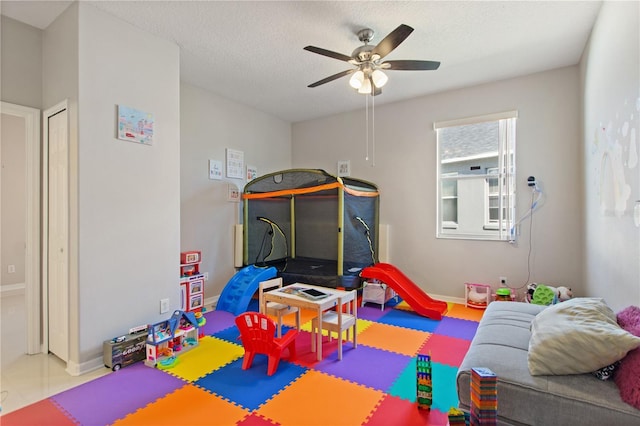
<point>206,276</point>
<point>503,281</point>
<point>164,306</point>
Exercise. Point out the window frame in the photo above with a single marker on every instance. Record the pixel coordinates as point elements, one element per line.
<point>492,229</point>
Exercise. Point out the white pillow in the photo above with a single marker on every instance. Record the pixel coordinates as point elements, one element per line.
<point>577,336</point>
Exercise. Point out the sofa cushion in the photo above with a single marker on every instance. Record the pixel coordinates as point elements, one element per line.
<point>577,336</point>
<point>627,375</point>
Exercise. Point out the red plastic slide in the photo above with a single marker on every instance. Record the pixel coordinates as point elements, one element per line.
<point>407,289</point>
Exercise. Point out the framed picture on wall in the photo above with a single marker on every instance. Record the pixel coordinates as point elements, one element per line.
<point>235,164</point>
<point>135,125</point>
<point>344,168</point>
<point>252,173</point>
<point>215,169</point>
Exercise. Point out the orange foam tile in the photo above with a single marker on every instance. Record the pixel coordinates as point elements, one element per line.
<point>188,405</point>
<point>401,340</point>
<point>306,315</point>
<point>44,412</point>
<point>319,399</point>
<point>459,311</point>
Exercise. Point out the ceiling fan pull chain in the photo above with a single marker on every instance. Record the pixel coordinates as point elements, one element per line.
<point>366,127</point>
<point>373,131</point>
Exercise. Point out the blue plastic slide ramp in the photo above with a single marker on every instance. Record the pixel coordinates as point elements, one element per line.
<point>238,292</point>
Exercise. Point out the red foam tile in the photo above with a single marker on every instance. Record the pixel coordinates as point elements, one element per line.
<point>405,413</point>
<point>44,412</point>
<point>446,350</point>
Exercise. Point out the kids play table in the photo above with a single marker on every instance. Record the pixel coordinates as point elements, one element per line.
<point>297,295</point>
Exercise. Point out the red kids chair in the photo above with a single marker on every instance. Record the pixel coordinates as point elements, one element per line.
<point>257,332</point>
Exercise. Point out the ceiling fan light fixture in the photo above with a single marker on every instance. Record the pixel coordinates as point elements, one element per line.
<point>379,78</point>
<point>366,87</point>
<point>357,79</point>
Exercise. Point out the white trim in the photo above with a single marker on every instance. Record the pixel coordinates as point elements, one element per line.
<point>12,290</point>
<point>448,299</point>
<point>49,112</point>
<point>75,369</point>
<point>474,120</point>
<point>32,230</point>
<point>211,302</point>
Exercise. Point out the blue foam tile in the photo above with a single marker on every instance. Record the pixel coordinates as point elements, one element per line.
<point>252,387</point>
<point>230,335</point>
<point>409,319</point>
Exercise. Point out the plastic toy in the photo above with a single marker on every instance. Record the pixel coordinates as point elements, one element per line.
<point>425,384</point>
<point>164,339</point>
<point>477,295</point>
<point>257,332</point>
<point>167,363</point>
<point>484,397</point>
<point>124,350</point>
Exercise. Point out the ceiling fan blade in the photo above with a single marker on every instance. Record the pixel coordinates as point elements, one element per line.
<point>376,91</point>
<point>331,78</point>
<point>392,40</point>
<point>410,65</point>
<point>329,53</point>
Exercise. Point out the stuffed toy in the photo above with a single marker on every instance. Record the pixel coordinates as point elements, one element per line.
<point>531,288</point>
<point>541,294</point>
<point>563,293</point>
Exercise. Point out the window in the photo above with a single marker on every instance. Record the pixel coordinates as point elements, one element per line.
<point>476,177</point>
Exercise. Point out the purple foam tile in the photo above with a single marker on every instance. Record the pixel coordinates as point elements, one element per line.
<point>368,366</point>
<point>371,313</point>
<point>454,327</point>
<point>112,397</point>
<point>217,321</point>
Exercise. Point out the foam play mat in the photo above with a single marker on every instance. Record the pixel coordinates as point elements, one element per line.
<point>374,384</point>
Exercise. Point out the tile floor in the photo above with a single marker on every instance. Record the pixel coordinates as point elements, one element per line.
<point>25,379</point>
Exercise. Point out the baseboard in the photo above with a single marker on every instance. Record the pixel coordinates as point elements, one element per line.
<point>449,299</point>
<point>12,290</point>
<point>75,369</point>
<point>211,302</point>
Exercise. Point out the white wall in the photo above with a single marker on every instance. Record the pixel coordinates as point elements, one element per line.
<point>209,125</point>
<point>125,224</point>
<point>610,72</point>
<point>405,170</point>
<point>21,65</point>
<point>14,204</point>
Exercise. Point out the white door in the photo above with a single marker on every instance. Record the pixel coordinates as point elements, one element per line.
<point>58,233</point>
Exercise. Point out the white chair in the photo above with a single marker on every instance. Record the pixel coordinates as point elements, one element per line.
<point>338,321</point>
<point>276,309</point>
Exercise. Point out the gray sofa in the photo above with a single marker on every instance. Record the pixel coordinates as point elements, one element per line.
<point>501,344</point>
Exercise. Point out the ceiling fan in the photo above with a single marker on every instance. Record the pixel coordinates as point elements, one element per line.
<point>368,77</point>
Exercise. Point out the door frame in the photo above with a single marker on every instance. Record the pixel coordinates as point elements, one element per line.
<point>61,106</point>
<point>33,288</point>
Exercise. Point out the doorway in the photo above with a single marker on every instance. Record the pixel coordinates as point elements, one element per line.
<point>25,122</point>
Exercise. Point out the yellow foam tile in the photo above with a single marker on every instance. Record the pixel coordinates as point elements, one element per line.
<point>327,401</point>
<point>188,405</point>
<point>211,354</point>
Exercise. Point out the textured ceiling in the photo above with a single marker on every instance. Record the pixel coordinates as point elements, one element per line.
<point>252,51</point>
